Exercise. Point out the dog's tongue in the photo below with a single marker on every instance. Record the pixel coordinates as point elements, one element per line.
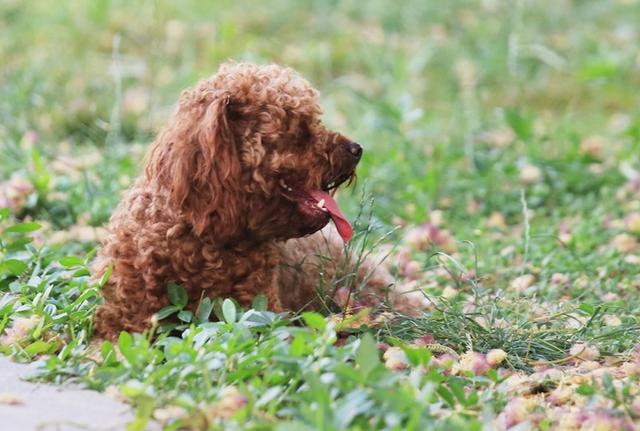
<point>341,222</point>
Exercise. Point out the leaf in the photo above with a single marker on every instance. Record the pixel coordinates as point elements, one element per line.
<point>177,294</point>
<point>105,276</point>
<point>472,399</point>
<point>353,404</point>
<point>457,388</point>
<point>587,308</point>
<point>318,391</point>
<point>347,372</point>
<point>18,244</point>
<point>544,424</point>
<point>167,326</point>
<point>107,352</point>
<point>596,70</point>
<point>39,176</point>
<point>7,301</point>
<point>314,320</point>
<point>585,390</point>
<point>522,125</point>
<point>71,261</point>
<point>217,309</point>
<point>417,356</point>
<point>253,318</point>
<point>298,346</point>
<point>37,331</point>
<point>367,355</point>
<point>81,272</point>
<point>14,266</point>
<point>260,303</point>
<point>37,347</point>
<point>269,395</point>
<point>229,311</point>
<point>446,395</point>
<point>185,315</point>
<point>145,406</point>
<point>492,374</point>
<point>204,310</point>
<point>4,213</point>
<point>23,227</point>
<point>125,344</point>
<point>166,312</point>
<point>132,389</point>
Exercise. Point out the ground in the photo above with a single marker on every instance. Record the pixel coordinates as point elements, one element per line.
<point>26,406</point>
<point>501,179</point>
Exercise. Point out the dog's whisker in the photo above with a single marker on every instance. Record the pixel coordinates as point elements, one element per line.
<point>285,186</point>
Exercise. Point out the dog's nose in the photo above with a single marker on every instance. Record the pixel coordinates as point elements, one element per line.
<point>355,149</point>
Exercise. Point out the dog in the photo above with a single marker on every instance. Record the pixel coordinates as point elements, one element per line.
<point>235,194</point>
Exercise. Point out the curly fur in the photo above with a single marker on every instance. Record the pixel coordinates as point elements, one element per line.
<point>221,206</point>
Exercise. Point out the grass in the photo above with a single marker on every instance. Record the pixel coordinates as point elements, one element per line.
<point>501,149</point>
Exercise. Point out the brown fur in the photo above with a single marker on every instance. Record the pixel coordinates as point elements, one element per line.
<point>210,211</point>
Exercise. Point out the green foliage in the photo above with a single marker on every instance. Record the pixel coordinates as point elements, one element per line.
<point>452,105</point>
<point>309,382</point>
<point>55,295</point>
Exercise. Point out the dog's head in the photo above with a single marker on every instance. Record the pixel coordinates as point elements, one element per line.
<point>246,157</point>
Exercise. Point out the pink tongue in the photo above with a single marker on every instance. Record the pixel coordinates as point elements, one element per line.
<point>341,222</point>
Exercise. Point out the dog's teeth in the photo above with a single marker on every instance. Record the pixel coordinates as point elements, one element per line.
<point>289,189</point>
<point>284,185</point>
<point>331,184</point>
<point>321,204</point>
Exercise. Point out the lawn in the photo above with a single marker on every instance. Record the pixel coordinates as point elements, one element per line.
<point>501,178</point>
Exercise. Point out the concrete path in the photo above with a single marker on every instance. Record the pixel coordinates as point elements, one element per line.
<point>28,406</point>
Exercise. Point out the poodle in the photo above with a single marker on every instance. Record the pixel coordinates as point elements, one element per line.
<point>233,200</point>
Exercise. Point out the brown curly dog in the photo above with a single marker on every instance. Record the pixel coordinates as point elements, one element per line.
<point>232,189</point>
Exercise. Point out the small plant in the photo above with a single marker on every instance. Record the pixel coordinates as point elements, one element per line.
<point>503,158</point>
<point>224,310</point>
<point>46,304</point>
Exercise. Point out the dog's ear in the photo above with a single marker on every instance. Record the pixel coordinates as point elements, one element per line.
<point>196,160</point>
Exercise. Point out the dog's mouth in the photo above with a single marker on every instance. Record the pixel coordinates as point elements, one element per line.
<point>321,200</point>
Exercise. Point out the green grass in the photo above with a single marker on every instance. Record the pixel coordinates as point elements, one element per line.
<point>514,126</point>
